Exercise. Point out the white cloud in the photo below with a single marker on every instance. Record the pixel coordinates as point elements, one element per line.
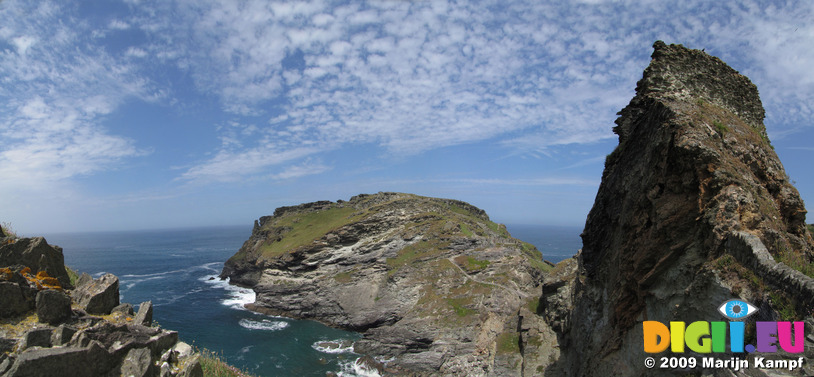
<point>56,87</point>
<point>118,25</point>
<point>135,52</point>
<point>411,76</point>
<point>23,43</point>
<point>301,170</point>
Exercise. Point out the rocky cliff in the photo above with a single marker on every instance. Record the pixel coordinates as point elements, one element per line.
<point>52,326</point>
<point>694,209</point>
<point>433,285</point>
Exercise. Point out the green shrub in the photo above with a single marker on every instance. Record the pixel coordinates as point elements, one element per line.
<point>722,129</point>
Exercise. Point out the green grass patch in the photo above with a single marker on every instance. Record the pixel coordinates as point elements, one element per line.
<point>457,305</point>
<point>500,229</point>
<point>534,305</point>
<point>470,264</point>
<point>466,231</point>
<point>725,262</point>
<point>508,342</point>
<point>214,366</point>
<point>307,228</point>
<point>419,250</point>
<point>783,306</point>
<point>344,277</point>
<point>722,129</point>
<point>535,257</point>
<point>72,275</point>
<point>795,260</point>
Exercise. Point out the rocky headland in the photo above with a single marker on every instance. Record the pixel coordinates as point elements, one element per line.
<point>433,285</point>
<point>54,325</point>
<point>694,209</point>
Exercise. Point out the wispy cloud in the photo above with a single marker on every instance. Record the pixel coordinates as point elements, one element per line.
<point>56,88</point>
<point>315,76</point>
<point>414,76</point>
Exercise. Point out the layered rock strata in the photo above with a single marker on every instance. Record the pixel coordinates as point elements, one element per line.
<point>433,285</point>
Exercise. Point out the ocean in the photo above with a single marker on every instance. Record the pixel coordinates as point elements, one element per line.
<point>176,270</point>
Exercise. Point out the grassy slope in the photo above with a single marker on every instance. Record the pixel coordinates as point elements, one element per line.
<point>438,222</point>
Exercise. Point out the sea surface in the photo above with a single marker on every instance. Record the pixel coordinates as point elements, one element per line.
<point>176,270</point>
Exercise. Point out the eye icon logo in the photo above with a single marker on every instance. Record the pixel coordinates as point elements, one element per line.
<point>737,309</point>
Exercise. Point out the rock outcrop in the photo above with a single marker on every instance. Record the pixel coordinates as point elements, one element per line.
<point>433,285</point>
<point>693,182</point>
<point>36,254</point>
<point>97,296</point>
<point>46,333</point>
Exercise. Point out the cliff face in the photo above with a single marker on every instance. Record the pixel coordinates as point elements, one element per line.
<point>693,176</point>
<point>432,284</point>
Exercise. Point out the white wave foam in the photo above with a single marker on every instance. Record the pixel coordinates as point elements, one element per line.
<point>354,369</point>
<point>264,324</point>
<point>238,296</point>
<point>333,346</point>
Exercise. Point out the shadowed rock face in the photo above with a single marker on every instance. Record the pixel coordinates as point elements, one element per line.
<point>36,254</point>
<point>431,283</point>
<point>693,166</point>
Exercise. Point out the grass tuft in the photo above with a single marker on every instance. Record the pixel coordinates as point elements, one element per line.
<point>214,366</point>
<point>9,230</point>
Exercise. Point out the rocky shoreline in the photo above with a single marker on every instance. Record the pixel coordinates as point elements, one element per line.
<point>50,325</point>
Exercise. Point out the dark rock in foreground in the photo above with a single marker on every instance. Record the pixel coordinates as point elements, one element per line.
<point>694,209</point>
<point>80,344</point>
<point>36,254</point>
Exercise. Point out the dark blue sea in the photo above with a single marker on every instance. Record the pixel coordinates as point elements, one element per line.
<point>173,269</point>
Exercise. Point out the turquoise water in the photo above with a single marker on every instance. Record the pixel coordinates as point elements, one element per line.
<point>173,268</point>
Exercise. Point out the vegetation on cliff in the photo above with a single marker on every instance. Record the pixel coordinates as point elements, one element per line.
<point>432,283</point>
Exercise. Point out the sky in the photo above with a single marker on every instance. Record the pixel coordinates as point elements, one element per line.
<point>141,114</point>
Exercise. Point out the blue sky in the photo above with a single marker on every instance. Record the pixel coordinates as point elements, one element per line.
<point>150,114</point>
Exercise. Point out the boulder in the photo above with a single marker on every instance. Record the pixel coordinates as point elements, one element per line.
<point>84,279</point>
<point>183,350</point>
<point>12,300</point>
<point>139,363</point>
<point>38,337</point>
<point>145,314</point>
<point>126,309</point>
<point>53,307</point>
<point>37,254</point>
<point>193,367</point>
<point>6,345</point>
<point>97,296</point>
<point>5,363</point>
<point>62,335</point>
<point>120,339</point>
<point>92,360</point>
